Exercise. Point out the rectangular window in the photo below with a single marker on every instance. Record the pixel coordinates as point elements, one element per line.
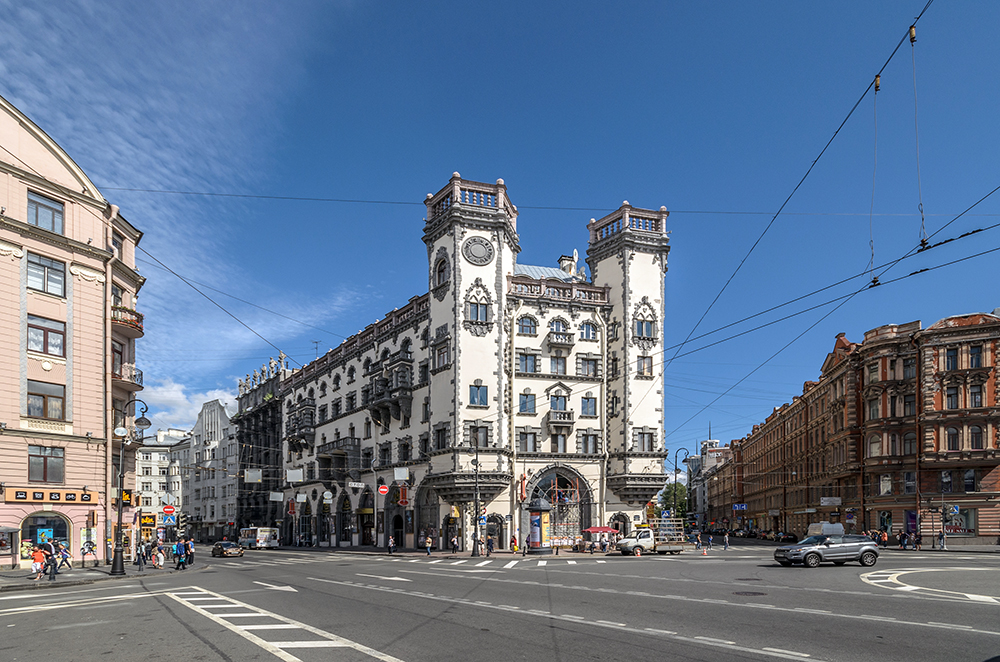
<point>976,396</point>
<point>872,374</point>
<point>117,242</point>
<point>613,368</point>
<point>440,439</point>
<point>526,442</point>
<point>558,443</point>
<point>645,442</point>
<point>557,402</point>
<point>45,213</point>
<point>425,373</point>
<point>976,438</point>
<point>953,439</point>
<point>909,482</point>
<point>117,295</point>
<point>147,471</point>
<point>479,312</point>
<point>46,275</point>
<point>425,412</point>
<point>46,336</point>
<point>951,397</point>
<point>45,465</point>
<point>322,413</point>
<point>969,480</point>
<point>909,444</point>
<point>527,403</point>
<point>892,405</point>
<point>478,396</point>
<point>951,359</point>
<point>404,452</point>
<point>441,357</point>
<point>946,482</point>
<point>46,400</point>
<point>976,356</point>
<point>588,367</point>
<point>384,455</point>
<point>885,484</point>
<point>909,368</point>
<point>644,366</point>
<point>425,446</point>
<point>147,487</point>
<point>644,329</point>
<point>909,405</point>
<point>589,444</point>
<point>873,409</point>
<point>479,436</point>
<point>147,501</point>
<point>588,407</point>
<point>557,365</point>
<point>527,363</point>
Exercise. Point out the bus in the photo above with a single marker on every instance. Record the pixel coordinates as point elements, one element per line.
<point>258,537</point>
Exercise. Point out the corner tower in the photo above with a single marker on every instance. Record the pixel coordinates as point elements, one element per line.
<point>628,254</point>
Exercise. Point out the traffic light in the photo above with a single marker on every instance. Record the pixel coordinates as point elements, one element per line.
<point>181,522</point>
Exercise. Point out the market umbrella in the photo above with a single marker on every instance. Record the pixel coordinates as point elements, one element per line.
<point>600,529</point>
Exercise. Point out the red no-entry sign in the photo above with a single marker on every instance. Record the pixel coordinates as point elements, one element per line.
<point>383,489</point>
<point>168,510</point>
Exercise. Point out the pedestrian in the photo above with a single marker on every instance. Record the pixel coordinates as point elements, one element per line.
<point>391,544</point>
<point>725,541</point>
<point>427,543</point>
<point>918,541</point>
<point>51,559</point>
<point>159,556</point>
<point>64,557</point>
<point>489,546</point>
<point>697,541</point>
<point>513,544</point>
<point>37,562</point>
<point>885,539</point>
<point>710,541</point>
<point>140,557</point>
<point>180,554</point>
<point>190,552</point>
<point>454,545</point>
<point>942,539</point>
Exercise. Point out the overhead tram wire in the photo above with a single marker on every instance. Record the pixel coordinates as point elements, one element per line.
<point>801,181</point>
<point>916,133</point>
<point>871,210</point>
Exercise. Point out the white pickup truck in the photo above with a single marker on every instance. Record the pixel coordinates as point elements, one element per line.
<point>662,535</point>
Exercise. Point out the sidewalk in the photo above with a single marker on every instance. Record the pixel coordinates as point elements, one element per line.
<point>22,579</point>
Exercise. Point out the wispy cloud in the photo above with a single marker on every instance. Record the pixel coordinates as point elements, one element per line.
<point>175,406</point>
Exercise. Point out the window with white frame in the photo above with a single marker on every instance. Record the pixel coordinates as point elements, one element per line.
<point>644,366</point>
<point>588,331</point>
<point>46,275</point>
<point>45,213</point>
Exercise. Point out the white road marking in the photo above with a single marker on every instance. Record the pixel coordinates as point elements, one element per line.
<point>391,579</point>
<point>787,652</point>
<point>276,648</point>
<point>461,562</point>
<point>270,626</point>
<point>571,562</point>
<point>271,586</point>
<point>617,625</point>
<point>541,563</point>
<point>511,564</point>
<point>481,563</point>
<point>436,561</point>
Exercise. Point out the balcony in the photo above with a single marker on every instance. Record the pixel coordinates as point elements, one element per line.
<point>636,488</point>
<point>557,420</point>
<point>126,321</point>
<point>561,339</point>
<point>300,424</point>
<point>391,392</point>
<point>339,460</point>
<point>127,376</point>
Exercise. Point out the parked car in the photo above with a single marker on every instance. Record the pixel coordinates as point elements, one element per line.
<point>225,548</point>
<point>838,549</point>
<point>788,537</point>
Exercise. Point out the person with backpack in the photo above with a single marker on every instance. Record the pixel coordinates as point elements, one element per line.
<point>51,559</point>
<point>180,553</point>
<point>190,552</point>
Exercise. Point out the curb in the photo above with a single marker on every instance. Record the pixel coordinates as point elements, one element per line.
<point>44,584</point>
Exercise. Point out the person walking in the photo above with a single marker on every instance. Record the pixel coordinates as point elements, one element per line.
<point>697,541</point>
<point>427,543</point>
<point>710,541</point>
<point>885,539</point>
<point>489,546</point>
<point>159,556</point>
<point>391,544</point>
<point>454,545</point>
<point>140,557</point>
<point>190,552</point>
<point>64,557</point>
<point>180,554</point>
<point>37,562</point>
<point>513,545</point>
<point>942,540</point>
<point>51,559</point>
<point>918,541</point>
<point>725,541</point>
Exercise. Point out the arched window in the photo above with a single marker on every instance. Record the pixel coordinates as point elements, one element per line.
<point>976,437</point>
<point>322,388</point>
<point>557,325</point>
<point>909,443</point>
<point>527,326</point>
<point>336,382</point>
<point>953,439</point>
<point>588,331</point>
<point>367,365</point>
<point>350,374</point>
<point>312,393</point>
<point>385,355</point>
<point>441,272</point>
<point>874,446</point>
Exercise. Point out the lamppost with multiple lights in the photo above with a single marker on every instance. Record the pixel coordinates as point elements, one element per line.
<point>121,432</point>
<point>686,455</point>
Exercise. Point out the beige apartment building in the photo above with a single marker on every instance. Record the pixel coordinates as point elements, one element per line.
<point>68,326</point>
<point>509,384</point>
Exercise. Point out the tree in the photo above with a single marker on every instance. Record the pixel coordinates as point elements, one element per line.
<point>666,501</point>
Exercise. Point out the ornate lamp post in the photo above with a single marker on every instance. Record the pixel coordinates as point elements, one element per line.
<point>686,455</point>
<point>142,424</point>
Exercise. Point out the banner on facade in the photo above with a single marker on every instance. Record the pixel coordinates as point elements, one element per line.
<point>275,496</point>
<point>961,524</point>
<point>253,476</point>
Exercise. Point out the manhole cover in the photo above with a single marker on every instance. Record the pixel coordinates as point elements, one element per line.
<point>750,593</point>
<point>747,579</point>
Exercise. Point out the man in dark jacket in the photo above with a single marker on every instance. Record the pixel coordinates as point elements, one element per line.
<point>180,553</point>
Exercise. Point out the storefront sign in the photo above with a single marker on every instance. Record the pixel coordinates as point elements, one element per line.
<point>961,524</point>
<point>147,521</point>
<point>48,495</point>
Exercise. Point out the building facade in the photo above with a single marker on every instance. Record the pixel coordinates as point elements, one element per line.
<point>209,475</point>
<point>68,285</point>
<point>504,383</point>
<point>900,433</point>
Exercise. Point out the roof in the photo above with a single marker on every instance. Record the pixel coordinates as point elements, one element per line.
<point>542,272</point>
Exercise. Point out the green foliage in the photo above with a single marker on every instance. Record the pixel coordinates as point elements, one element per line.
<point>666,501</point>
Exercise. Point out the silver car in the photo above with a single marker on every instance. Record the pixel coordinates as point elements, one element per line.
<point>838,549</point>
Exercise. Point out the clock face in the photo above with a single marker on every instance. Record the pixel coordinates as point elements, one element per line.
<point>478,251</point>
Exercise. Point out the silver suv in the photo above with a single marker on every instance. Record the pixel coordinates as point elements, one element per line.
<point>836,548</point>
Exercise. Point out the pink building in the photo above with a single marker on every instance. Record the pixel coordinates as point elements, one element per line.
<point>68,327</point>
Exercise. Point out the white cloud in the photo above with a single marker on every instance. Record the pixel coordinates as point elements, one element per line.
<point>172,405</point>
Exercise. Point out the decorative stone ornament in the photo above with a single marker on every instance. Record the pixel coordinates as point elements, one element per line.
<point>478,251</point>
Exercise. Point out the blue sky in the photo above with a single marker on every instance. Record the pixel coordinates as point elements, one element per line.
<point>715,110</point>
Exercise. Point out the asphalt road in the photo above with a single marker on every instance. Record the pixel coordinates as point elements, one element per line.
<point>317,605</point>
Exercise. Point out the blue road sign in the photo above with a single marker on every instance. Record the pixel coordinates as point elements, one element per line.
<point>739,506</point>
<point>170,520</point>
<point>482,519</point>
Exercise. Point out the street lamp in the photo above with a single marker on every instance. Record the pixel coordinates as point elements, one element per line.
<point>475,463</point>
<point>142,424</point>
<point>686,455</point>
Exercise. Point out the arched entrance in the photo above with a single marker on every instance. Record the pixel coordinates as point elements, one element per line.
<point>495,529</point>
<point>569,495</point>
<point>366,518</point>
<point>620,522</point>
<point>345,521</point>
<point>43,527</point>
